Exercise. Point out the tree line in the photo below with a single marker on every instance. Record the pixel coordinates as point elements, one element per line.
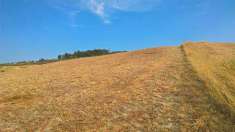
<point>65,56</point>
<point>87,53</point>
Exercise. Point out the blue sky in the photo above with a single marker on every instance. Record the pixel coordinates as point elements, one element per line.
<point>33,29</point>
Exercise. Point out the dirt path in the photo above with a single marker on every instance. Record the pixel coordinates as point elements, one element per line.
<point>149,90</point>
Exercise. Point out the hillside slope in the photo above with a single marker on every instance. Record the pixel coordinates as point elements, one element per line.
<point>147,90</point>
<point>215,65</point>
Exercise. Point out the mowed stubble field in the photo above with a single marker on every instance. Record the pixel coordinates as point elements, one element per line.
<point>155,89</point>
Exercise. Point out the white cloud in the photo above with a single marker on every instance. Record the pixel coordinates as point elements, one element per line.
<point>105,8</point>
<point>98,8</point>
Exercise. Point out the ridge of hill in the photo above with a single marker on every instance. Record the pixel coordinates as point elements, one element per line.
<point>186,88</point>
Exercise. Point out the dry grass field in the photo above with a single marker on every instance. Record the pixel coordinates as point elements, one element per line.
<point>215,65</point>
<point>159,89</point>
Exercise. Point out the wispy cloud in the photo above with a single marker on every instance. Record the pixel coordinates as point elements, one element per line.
<point>98,7</point>
<point>105,8</point>
<point>72,17</point>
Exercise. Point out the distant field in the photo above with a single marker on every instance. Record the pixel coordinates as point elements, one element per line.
<point>186,88</point>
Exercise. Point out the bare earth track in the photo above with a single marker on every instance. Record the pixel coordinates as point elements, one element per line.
<point>147,90</point>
